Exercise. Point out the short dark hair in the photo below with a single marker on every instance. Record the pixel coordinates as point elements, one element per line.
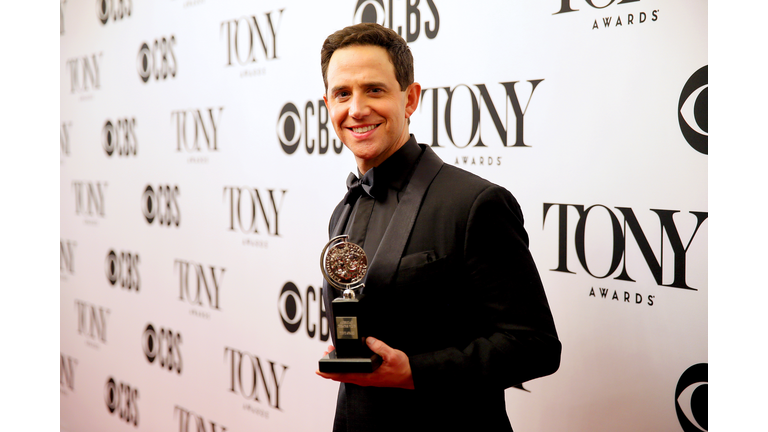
<point>376,35</point>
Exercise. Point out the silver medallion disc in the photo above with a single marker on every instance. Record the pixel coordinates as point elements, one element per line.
<point>346,263</point>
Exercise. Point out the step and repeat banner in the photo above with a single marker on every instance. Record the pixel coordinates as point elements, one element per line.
<point>199,168</point>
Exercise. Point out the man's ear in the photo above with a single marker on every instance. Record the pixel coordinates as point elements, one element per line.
<point>325,99</point>
<point>413,93</point>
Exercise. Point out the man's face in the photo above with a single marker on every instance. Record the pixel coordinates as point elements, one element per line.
<point>366,105</point>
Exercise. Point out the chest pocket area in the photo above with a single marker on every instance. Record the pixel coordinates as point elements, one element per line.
<point>424,276</point>
<point>426,295</point>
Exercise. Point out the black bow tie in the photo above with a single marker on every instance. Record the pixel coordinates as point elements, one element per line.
<point>356,187</point>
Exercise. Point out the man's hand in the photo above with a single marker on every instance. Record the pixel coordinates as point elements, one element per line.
<point>395,370</point>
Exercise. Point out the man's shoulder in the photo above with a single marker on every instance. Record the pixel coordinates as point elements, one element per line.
<point>462,177</point>
<point>458,180</point>
<point>454,172</point>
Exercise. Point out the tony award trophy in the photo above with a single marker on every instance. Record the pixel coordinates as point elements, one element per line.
<point>344,266</point>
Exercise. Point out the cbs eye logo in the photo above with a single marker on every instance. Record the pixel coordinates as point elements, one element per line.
<point>108,8</point>
<point>290,307</point>
<point>691,398</point>
<point>370,12</point>
<point>692,110</point>
<point>162,205</point>
<point>414,18</point>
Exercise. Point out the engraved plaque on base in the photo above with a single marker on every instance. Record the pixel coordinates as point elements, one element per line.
<point>344,266</point>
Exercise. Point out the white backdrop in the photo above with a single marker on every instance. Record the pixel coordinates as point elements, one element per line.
<point>198,174</point>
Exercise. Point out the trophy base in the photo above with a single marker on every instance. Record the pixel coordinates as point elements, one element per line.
<point>332,364</point>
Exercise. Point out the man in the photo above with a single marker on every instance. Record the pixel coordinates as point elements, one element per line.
<point>461,313</point>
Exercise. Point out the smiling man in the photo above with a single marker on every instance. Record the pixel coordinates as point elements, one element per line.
<point>453,302</point>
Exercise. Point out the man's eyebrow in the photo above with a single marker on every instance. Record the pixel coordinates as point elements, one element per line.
<point>365,85</point>
<point>336,88</point>
<point>375,84</point>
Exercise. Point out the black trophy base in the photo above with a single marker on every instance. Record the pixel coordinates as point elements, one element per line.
<point>332,364</point>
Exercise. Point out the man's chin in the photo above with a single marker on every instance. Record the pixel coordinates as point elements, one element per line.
<point>362,150</point>
<point>366,158</point>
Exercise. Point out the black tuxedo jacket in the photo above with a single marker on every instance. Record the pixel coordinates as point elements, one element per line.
<point>466,305</point>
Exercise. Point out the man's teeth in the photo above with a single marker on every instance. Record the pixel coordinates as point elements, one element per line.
<point>364,129</point>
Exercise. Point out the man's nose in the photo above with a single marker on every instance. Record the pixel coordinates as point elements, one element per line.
<point>358,107</point>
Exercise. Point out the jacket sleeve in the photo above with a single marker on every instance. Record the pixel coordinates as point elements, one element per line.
<point>516,337</point>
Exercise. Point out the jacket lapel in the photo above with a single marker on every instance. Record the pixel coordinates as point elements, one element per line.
<point>383,267</point>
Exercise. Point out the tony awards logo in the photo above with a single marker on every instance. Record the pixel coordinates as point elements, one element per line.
<point>344,265</point>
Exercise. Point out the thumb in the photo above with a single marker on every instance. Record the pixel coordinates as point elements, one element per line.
<point>379,347</point>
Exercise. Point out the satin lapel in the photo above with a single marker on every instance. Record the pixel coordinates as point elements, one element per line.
<point>384,265</point>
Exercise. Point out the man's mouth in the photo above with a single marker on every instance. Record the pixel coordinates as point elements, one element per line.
<point>364,129</point>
